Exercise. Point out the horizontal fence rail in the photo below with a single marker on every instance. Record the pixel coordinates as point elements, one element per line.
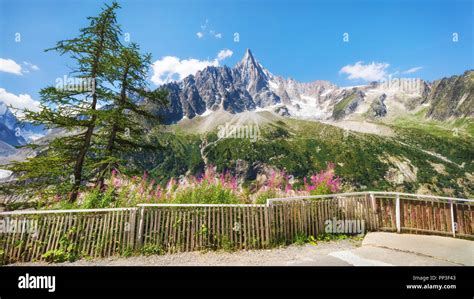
<point>57,235</point>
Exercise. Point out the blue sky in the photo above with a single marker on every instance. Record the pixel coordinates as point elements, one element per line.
<point>298,39</point>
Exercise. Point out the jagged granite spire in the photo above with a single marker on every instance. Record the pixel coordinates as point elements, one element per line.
<point>237,89</point>
<point>248,60</point>
<point>252,75</point>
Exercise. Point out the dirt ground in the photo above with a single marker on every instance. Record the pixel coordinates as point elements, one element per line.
<point>284,256</point>
<point>376,249</point>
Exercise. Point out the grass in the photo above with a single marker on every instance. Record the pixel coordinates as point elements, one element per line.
<point>341,106</point>
<point>302,239</point>
<point>461,127</point>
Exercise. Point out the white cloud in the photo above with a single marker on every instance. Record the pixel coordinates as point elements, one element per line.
<point>21,101</point>
<point>10,66</point>
<point>223,54</point>
<point>412,70</point>
<point>206,30</point>
<point>171,68</point>
<point>368,72</point>
<point>31,66</point>
<point>215,34</point>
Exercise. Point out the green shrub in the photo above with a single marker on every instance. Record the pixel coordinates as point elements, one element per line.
<point>55,256</point>
<point>66,250</point>
<point>226,244</point>
<point>96,199</point>
<point>262,197</point>
<point>321,189</point>
<point>92,199</point>
<point>152,249</point>
<point>206,194</point>
<point>127,252</point>
<point>107,197</point>
<point>300,239</point>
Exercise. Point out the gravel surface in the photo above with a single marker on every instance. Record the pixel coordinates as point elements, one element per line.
<point>292,255</point>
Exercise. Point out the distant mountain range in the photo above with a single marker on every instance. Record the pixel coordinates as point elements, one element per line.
<point>249,86</point>
<point>14,132</point>
<point>217,94</point>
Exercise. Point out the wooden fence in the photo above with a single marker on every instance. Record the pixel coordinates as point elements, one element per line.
<point>160,228</point>
<point>293,217</point>
<point>195,227</point>
<point>397,212</point>
<point>28,236</point>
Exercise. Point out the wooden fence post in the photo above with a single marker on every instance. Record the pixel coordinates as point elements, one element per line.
<point>397,213</point>
<point>132,218</point>
<point>374,213</point>
<point>141,223</point>
<point>453,223</point>
<point>268,234</point>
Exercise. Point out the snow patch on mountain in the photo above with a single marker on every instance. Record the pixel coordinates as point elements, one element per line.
<point>5,174</point>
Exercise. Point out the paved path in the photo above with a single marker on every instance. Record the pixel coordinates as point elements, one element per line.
<point>453,250</point>
<point>390,249</point>
<point>377,249</point>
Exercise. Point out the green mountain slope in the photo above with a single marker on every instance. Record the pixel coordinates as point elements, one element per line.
<point>412,160</point>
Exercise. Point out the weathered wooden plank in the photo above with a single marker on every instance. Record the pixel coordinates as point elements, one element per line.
<point>159,228</point>
<point>231,227</point>
<point>193,230</point>
<point>39,240</point>
<point>98,245</point>
<point>282,224</point>
<point>132,228</point>
<point>75,227</point>
<point>91,237</point>
<point>120,242</point>
<point>254,228</point>
<point>240,232</point>
<point>21,239</point>
<point>52,232</point>
<point>174,229</point>
<point>108,233</point>
<point>166,228</point>
<point>113,233</point>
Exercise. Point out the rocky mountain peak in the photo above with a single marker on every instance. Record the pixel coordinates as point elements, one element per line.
<point>7,117</point>
<point>16,132</point>
<point>249,86</point>
<point>248,59</point>
<point>452,97</point>
<point>252,74</point>
<point>250,67</point>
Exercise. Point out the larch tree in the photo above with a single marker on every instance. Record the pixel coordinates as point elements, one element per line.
<point>71,107</point>
<point>125,130</point>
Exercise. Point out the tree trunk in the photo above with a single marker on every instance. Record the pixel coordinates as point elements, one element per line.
<point>82,154</point>
<point>113,134</point>
<point>109,149</point>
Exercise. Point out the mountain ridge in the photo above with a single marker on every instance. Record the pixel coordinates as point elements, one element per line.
<point>15,132</point>
<point>249,86</point>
